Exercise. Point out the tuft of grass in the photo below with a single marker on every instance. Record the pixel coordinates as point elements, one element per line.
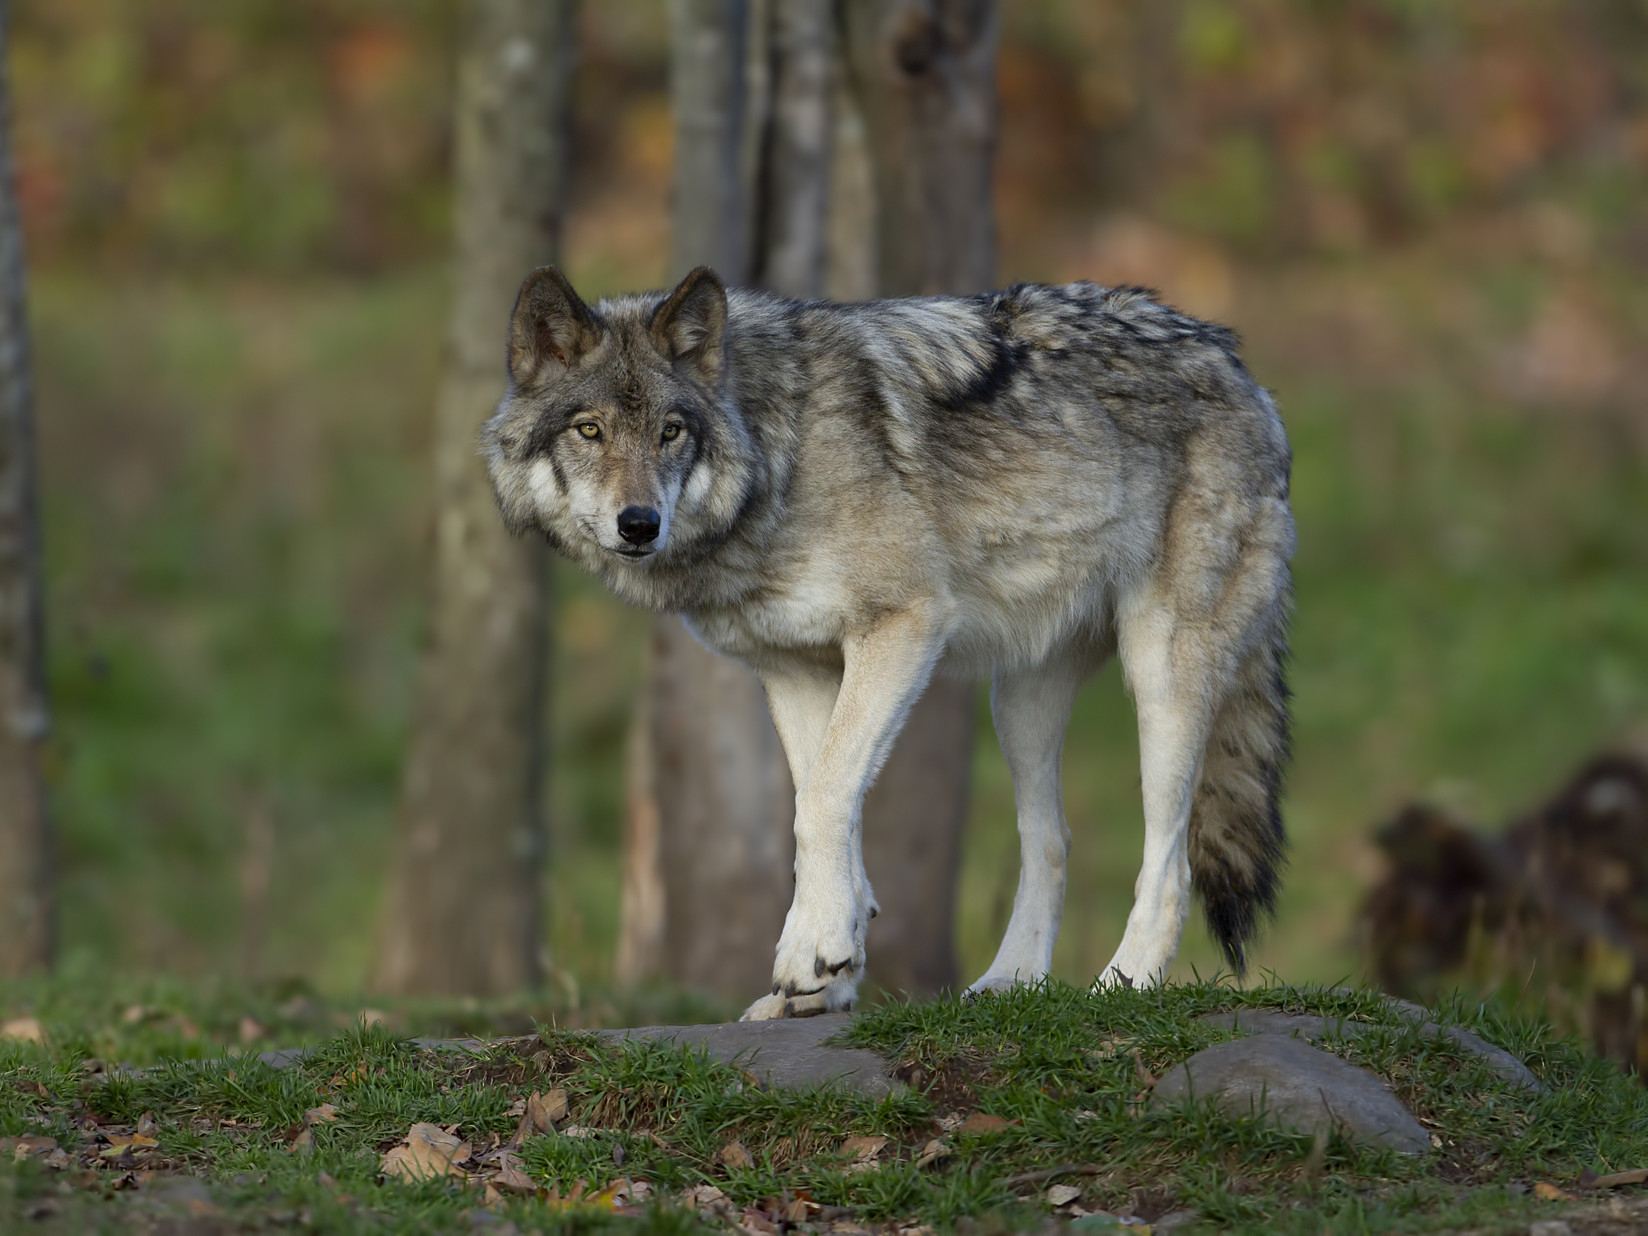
<point>1066,1071</point>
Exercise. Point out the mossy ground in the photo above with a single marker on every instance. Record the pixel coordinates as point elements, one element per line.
<point>1066,1071</point>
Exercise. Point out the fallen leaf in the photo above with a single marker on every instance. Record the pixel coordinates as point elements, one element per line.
<point>555,1105</point>
<point>704,1195</point>
<point>1147,1079</point>
<point>1063,1195</point>
<point>1546,1191</point>
<point>978,1122</point>
<point>516,1109</point>
<point>799,1209</point>
<point>23,1029</point>
<point>302,1141</point>
<point>540,1113</point>
<point>932,1152</point>
<point>491,1198</point>
<point>510,1176</point>
<point>733,1155</point>
<point>952,1122</point>
<point>1637,1175</point>
<point>23,1147</point>
<point>864,1149</point>
<point>755,1223</point>
<point>429,1152</point>
<point>324,1113</point>
<point>147,1125</point>
<point>35,1088</point>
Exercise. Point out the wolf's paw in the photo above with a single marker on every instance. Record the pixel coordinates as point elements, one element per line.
<point>769,1008</point>
<point>993,982</point>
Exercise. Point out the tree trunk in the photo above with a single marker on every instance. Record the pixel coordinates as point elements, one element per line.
<point>463,913</point>
<point>924,76</point>
<point>27,893</point>
<point>710,813</point>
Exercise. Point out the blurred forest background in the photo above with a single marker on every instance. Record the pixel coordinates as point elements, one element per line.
<point>1428,221</point>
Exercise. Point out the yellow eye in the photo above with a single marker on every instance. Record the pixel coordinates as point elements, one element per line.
<point>589,429</point>
<point>671,432</point>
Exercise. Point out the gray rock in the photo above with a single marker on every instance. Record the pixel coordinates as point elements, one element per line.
<point>1311,1028</point>
<point>791,1053</point>
<point>1299,1087</point>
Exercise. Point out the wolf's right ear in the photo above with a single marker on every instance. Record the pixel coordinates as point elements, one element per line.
<point>551,324</point>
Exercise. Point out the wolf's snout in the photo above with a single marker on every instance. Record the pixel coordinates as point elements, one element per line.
<point>638,524</point>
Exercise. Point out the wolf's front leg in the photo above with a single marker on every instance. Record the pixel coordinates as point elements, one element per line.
<point>820,959</point>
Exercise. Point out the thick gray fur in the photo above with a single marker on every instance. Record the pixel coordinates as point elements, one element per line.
<point>850,498</point>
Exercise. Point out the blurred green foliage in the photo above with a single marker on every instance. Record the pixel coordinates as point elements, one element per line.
<point>1428,219</point>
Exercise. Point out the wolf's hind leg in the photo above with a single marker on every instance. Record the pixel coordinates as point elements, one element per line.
<point>1167,669</point>
<point>820,957</point>
<point>1031,709</point>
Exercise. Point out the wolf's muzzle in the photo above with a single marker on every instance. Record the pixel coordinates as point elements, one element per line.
<point>638,524</point>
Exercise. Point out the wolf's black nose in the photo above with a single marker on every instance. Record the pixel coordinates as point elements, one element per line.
<point>638,524</point>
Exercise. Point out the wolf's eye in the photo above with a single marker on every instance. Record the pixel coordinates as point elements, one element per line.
<point>671,432</point>
<point>589,429</point>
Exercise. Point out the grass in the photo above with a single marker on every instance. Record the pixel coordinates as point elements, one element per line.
<point>1064,1069</point>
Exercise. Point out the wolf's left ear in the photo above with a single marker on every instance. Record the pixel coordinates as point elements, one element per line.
<point>691,325</point>
<point>551,323</point>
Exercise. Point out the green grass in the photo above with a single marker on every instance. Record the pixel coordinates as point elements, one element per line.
<point>1061,1065</point>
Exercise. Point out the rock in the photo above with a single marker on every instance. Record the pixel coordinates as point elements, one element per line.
<point>1311,1028</point>
<point>789,1053</point>
<point>1299,1087</point>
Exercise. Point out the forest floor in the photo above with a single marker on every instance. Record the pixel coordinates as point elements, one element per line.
<point>1024,1112</point>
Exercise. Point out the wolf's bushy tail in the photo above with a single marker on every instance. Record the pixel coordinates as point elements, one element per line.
<point>1236,841</point>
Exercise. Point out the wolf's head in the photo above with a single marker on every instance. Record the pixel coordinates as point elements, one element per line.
<point>615,439</point>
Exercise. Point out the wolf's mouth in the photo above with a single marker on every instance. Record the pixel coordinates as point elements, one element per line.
<point>631,551</point>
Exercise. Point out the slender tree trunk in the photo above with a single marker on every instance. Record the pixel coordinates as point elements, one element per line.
<point>463,912</point>
<point>924,77</point>
<point>27,893</point>
<point>705,809</point>
<point>709,789</point>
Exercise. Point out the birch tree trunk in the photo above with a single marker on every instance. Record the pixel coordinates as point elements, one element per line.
<point>27,893</point>
<point>923,74</point>
<point>463,912</point>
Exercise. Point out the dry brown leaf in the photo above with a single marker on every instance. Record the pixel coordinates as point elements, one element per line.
<point>1637,1175</point>
<point>979,1122</point>
<point>1546,1191</point>
<point>428,1153</point>
<point>516,1109</point>
<point>303,1141</point>
<point>491,1198</point>
<point>324,1113</point>
<point>147,1125</point>
<point>23,1029</point>
<point>733,1155</point>
<point>555,1105</point>
<point>800,1208</point>
<point>864,1149</point>
<point>510,1176</point>
<point>1062,1195</point>
<point>23,1147</point>
<point>1147,1079</point>
<point>932,1152</point>
<point>754,1223</point>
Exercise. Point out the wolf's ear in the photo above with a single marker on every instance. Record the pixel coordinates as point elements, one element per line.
<point>691,325</point>
<point>551,323</point>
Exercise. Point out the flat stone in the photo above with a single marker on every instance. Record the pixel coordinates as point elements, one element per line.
<point>1312,1028</point>
<point>790,1054</point>
<point>1299,1087</point>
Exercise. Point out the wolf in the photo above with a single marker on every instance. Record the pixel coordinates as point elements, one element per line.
<point>853,498</point>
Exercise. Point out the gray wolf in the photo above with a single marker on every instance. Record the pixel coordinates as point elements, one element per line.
<point>852,498</point>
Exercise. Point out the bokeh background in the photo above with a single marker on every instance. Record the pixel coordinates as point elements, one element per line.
<point>1427,219</point>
